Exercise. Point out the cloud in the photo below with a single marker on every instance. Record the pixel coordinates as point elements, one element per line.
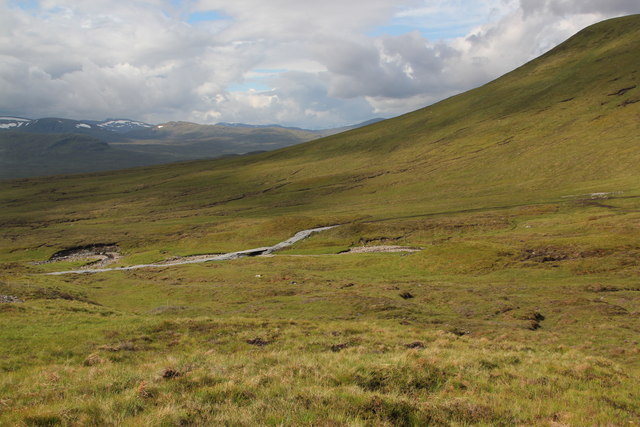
<point>332,62</point>
<point>573,7</point>
<point>300,97</point>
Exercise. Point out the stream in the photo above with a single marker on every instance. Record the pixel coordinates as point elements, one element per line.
<point>220,257</point>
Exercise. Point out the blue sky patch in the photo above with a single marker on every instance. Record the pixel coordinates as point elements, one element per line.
<point>209,15</point>
<point>25,4</point>
<point>247,86</point>
<point>428,33</point>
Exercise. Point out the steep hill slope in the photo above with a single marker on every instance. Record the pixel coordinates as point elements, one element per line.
<point>564,124</point>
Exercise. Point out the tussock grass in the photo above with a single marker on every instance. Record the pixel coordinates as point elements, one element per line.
<point>204,371</point>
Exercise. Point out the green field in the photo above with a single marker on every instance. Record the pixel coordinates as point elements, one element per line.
<point>522,308</point>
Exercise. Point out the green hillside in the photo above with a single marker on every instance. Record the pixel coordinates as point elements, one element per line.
<point>521,308</point>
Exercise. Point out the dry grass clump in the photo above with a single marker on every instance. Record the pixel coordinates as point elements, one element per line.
<point>295,381</point>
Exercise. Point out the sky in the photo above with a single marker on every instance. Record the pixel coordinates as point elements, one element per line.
<point>311,64</point>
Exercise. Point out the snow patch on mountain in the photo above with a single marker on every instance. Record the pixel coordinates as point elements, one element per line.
<point>13,122</point>
<point>123,125</point>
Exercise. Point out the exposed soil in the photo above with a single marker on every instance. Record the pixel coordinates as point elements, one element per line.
<point>339,347</point>
<point>383,248</point>
<point>416,344</point>
<point>258,342</point>
<point>101,254</point>
<point>168,374</point>
<point>622,91</point>
<point>9,299</point>
<point>603,288</point>
<point>554,254</point>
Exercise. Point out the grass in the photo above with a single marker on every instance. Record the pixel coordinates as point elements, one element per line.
<point>491,334</point>
<point>203,371</point>
<point>523,308</point>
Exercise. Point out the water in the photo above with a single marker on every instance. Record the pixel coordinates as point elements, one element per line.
<point>222,257</point>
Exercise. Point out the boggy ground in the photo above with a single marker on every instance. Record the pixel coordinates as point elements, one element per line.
<point>526,315</point>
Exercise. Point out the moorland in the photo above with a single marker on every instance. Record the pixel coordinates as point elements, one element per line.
<point>519,306</point>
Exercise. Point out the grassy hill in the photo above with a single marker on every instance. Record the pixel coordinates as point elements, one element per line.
<point>521,308</point>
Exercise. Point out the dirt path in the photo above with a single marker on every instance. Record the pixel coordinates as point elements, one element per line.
<point>205,258</point>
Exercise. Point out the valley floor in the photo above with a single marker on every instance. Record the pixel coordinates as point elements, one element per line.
<point>521,316</point>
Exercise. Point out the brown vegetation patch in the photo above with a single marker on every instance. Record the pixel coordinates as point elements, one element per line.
<point>338,347</point>
<point>416,344</point>
<point>92,360</point>
<point>54,293</point>
<point>630,101</point>
<point>610,309</point>
<point>459,331</point>
<point>258,342</point>
<point>406,295</point>
<point>555,254</point>
<point>169,373</point>
<point>122,346</point>
<point>532,318</point>
<point>622,91</point>
<point>597,287</point>
<point>544,255</point>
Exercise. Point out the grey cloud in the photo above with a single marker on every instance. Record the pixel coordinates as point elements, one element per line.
<point>568,7</point>
<point>396,67</point>
<point>301,99</point>
<point>142,60</point>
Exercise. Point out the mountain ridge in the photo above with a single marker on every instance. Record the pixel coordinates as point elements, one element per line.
<point>160,144</point>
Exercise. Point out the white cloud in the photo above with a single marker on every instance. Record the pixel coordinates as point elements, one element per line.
<point>143,59</point>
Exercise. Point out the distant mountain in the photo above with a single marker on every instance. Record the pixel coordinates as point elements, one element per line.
<point>151,144</point>
<point>245,125</point>
<point>123,125</point>
<point>25,154</point>
<point>57,125</point>
<point>13,122</point>
<point>334,131</point>
<point>190,141</point>
<point>328,131</point>
<point>108,130</point>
